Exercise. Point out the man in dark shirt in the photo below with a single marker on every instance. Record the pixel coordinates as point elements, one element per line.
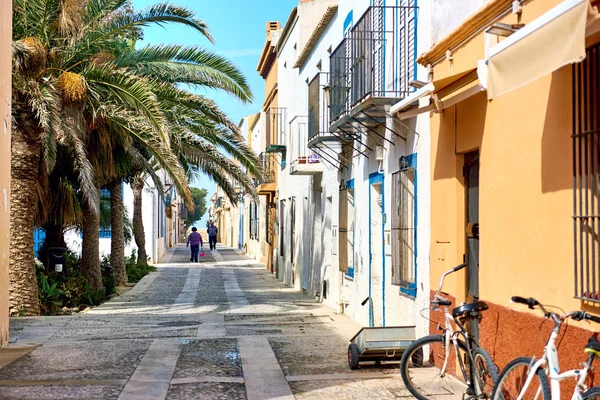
<point>212,235</point>
<point>194,241</point>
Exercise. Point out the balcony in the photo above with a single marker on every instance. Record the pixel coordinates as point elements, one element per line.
<point>268,183</point>
<point>275,133</point>
<point>305,161</point>
<point>370,70</point>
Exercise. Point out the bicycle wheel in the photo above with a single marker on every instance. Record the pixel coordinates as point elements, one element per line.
<point>484,371</point>
<point>421,366</point>
<point>592,393</point>
<point>513,377</point>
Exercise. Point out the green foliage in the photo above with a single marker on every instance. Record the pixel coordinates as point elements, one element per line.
<point>199,196</point>
<point>135,271</point>
<point>49,294</point>
<point>108,277</point>
<point>95,298</point>
<point>75,290</point>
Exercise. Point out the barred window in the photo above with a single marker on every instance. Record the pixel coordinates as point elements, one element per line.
<point>403,228</point>
<point>586,175</point>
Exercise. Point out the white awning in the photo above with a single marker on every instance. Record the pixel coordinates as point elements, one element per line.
<point>555,39</point>
<point>438,90</point>
<point>413,98</point>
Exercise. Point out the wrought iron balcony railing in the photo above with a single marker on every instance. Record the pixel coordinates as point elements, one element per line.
<point>318,117</point>
<point>376,59</point>
<point>269,163</point>
<point>299,137</point>
<point>275,129</point>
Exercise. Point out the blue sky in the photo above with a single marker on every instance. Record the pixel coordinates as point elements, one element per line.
<point>238,28</point>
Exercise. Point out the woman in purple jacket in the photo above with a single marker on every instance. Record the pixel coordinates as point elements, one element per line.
<point>194,241</point>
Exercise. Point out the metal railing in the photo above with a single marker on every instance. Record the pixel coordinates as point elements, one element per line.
<point>275,126</point>
<point>586,175</point>
<point>269,164</point>
<point>376,59</point>
<point>299,137</point>
<point>318,117</point>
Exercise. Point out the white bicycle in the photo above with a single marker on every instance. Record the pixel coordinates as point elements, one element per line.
<point>526,378</point>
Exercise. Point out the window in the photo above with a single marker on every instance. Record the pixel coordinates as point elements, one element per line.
<point>346,230</point>
<point>404,228</point>
<point>586,172</point>
<point>281,228</point>
<point>105,231</point>
<point>253,212</point>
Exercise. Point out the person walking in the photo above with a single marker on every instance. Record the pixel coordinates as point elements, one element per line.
<point>194,242</point>
<point>212,235</point>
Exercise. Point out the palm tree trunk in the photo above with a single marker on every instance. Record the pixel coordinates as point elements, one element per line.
<point>23,288</point>
<point>138,221</point>
<point>90,246</point>
<point>117,241</point>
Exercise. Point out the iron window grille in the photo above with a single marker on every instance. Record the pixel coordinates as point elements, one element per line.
<point>376,59</point>
<point>403,228</point>
<point>586,175</point>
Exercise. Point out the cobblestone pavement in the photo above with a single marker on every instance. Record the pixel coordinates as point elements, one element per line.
<point>223,328</point>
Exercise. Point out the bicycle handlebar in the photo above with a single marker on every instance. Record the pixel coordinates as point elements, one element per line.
<point>576,315</point>
<point>457,268</point>
<point>530,302</point>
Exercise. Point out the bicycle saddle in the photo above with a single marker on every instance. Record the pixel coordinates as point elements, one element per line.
<point>469,310</point>
<point>593,347</point>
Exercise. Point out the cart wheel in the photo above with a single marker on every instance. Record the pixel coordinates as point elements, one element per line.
<point>353,356</point>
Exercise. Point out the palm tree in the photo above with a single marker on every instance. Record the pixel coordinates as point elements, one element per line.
<point>56,77</point>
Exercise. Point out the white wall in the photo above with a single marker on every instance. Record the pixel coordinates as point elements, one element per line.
<point>317,199</point>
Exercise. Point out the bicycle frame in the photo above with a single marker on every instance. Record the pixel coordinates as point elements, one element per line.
<point>451,336</point>
<point>550,360</point>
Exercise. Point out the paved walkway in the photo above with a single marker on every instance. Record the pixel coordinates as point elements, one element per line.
<point>220,329</point>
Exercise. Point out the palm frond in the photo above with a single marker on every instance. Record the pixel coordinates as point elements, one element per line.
<point>191,65</point>
<point>107,83</point>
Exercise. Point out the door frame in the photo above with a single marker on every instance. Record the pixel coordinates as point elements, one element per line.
<point>375,178</point>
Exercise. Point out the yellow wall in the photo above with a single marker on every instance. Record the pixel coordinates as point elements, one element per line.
<point>525,209</point>
<point>5,96</point>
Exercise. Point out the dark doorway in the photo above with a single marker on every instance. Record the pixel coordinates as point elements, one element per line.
<point>471,172</point>
<point>472,228</point>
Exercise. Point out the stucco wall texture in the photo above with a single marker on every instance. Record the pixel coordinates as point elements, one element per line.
<point>5,96</point>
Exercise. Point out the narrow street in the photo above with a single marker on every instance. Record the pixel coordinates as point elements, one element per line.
<point>221,329</point>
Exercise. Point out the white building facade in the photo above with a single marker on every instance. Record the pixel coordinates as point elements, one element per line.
<point>353,194</point>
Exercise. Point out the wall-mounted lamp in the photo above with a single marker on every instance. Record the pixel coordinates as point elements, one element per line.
<point>502,29</point>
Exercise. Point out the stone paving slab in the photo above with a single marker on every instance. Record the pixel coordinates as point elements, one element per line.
<point>84,360</point>
<point>207,391</point>
<point>214,357</point>
<point>350,390</point>
<point>59,392</point>
<point>306,356</point>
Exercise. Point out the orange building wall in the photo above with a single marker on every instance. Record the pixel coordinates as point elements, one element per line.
<point>525,205</point>
<point>5,96</point>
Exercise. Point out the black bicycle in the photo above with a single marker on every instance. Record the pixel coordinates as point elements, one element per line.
<point>432,367</point>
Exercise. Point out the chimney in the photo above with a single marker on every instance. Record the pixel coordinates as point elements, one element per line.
<point>273,26</point>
